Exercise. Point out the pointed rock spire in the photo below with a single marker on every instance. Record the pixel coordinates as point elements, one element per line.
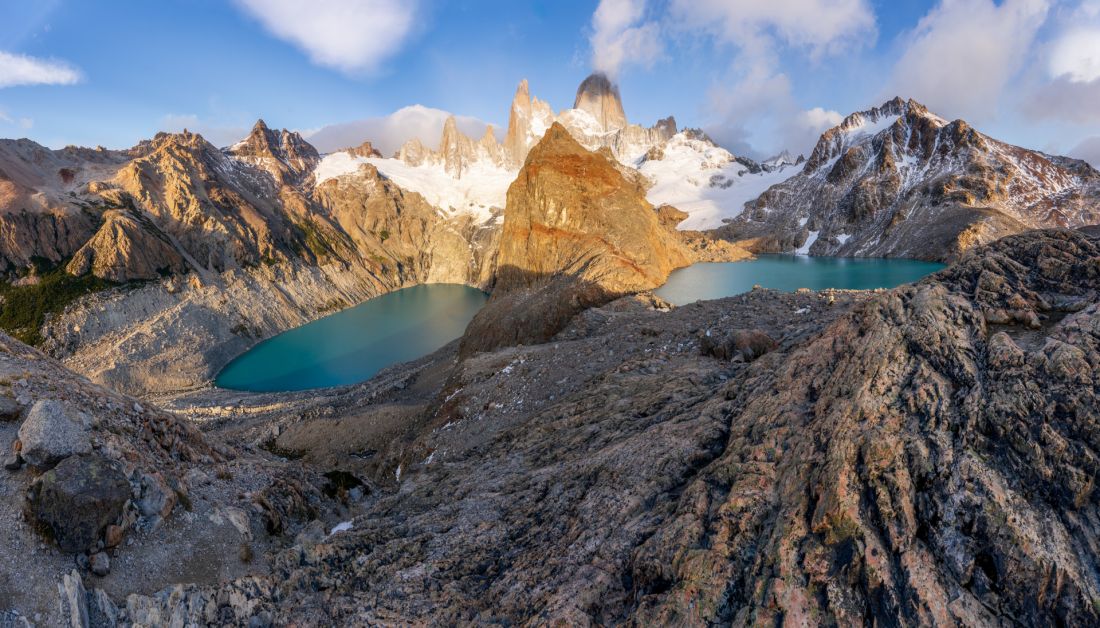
<point>600,97</point>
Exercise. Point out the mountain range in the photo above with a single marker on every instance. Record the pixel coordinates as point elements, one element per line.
<point>585,453</point>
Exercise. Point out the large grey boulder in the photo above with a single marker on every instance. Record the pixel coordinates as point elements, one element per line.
<point>53,431</point>
<point>76,500</point>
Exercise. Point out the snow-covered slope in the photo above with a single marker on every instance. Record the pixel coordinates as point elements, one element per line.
<point>704,180</point>
<point>898,180</point>
<point>482,186</point>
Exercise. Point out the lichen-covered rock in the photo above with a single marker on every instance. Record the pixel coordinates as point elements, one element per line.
<point>52,431</point>
<point>74,502</point>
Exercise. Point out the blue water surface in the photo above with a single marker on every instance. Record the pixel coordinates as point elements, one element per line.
<point>789,273</point>
<point>352,345</point>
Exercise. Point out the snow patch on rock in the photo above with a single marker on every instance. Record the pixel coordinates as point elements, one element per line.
<point>704,180</point>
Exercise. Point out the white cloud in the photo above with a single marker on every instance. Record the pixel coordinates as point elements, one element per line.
<point>964,53</point>
<point>348,35</point>
<point>1089,150</point>
<point>754,110</point>
<point>758,117</point>
<point>17,69</point>
<point>1064,81</point>
<point>1065,100</point>
<point>388,133</point>
<point>216,134</point>
<point>821,26</point>
<point>26,123</point>
<point>1076,55</point>
<point>619,36</point>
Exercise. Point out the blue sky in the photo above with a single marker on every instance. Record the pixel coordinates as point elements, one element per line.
<point>758,76</point>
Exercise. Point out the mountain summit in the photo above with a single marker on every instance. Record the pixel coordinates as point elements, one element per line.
<point>600,97</point>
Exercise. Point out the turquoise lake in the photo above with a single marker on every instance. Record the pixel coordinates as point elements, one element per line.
<point>789,273</point>
<point>352,345</point>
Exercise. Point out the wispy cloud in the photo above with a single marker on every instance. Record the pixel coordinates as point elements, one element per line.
<point>388,133</point>
<point>821,27</point>
<point>1066,84</point>
<point>964,53</point>
<point>17,69</point>
<point>619,35</point>
<point>350,36</point>
<point>1089,150</point>
<point>754,110</point>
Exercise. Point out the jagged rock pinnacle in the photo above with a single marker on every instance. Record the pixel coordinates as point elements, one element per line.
<point>600,97</point>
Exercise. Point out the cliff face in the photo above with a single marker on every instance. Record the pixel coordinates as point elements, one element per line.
<point>599,97</point>
<point>577,232</point>
<point>573,211</point>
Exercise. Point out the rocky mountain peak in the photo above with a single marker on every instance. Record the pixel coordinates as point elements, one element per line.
<point>527,120</point>
<point>456,149</point>
<point>600,97</point>
<point>285,154</point>
<point>366,149</point>
<point>899,180</point>
<point>862,125</point>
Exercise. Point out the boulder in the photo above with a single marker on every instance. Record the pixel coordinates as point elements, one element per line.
<point>10,410</point>
<point>76,500</point>
<point>53,431</point>
<point>100,564</point>
<point>157,496</point>
<point>742,345</point>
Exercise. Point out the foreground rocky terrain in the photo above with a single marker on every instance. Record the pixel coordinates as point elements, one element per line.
<point>922,455</point>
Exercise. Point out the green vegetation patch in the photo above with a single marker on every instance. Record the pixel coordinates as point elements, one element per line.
<point>24,308</point>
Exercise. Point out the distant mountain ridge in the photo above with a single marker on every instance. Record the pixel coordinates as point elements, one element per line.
<point>898,180</point>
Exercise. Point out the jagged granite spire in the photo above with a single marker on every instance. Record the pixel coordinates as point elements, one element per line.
<point>600,97</point>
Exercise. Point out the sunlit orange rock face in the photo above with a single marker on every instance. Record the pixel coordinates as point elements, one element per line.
<point>577,232</point>
<point>573,212</point>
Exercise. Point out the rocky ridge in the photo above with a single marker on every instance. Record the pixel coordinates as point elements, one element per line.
<point>899,181</point>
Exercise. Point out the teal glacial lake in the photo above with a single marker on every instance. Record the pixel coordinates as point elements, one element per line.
<point>789,273</point>
<point>352,345</point>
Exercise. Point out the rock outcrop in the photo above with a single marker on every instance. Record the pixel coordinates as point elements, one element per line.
<point>528,120</point>
<point>897,180</point>
<point>577,232</point>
